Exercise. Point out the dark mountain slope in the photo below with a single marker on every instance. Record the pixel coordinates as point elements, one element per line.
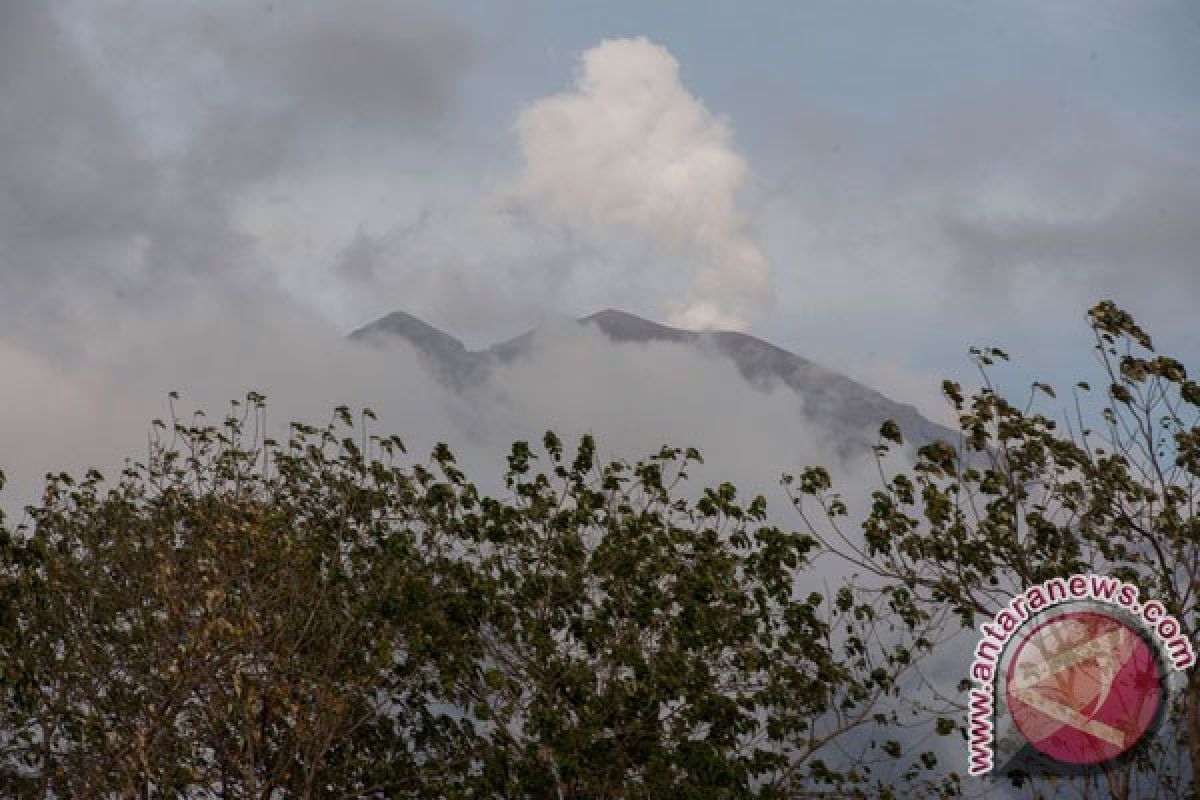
<point>849,410</point>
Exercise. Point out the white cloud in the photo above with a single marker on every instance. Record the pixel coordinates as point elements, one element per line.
<point>629,146</point>
<point>92,407</point>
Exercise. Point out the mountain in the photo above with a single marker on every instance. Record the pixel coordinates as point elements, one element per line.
<point>847,408</point>
<point>449,359</point>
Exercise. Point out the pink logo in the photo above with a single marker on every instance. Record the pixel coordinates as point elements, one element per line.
<point>1083,687</point>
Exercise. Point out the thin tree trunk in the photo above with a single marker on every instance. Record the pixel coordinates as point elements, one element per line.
<point>1192,710</point>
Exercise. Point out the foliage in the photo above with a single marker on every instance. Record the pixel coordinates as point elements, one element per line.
<point>241,618</point>
<point>204,624</point>
<point>1021,498</point>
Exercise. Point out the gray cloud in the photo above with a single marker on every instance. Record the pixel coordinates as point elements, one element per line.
<point>91,222</point>
<point>74,190</point>
<point>1150,229</point>
<point>360,63</point>
<point>131,136</point>
<point>1002,213</point>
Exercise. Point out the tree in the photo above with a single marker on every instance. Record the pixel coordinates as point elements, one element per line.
<point>208,627</point>
<point>241,618</point>
<point>640,645</point>
<point>1020,499</point>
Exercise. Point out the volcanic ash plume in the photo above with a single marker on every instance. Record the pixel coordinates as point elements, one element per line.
<point>630,146</point>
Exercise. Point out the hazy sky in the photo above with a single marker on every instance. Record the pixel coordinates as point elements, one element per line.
<point>185,186</point>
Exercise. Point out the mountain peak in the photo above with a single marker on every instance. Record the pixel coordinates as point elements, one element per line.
<point>622,326</point>
<point>612,315</point>
<point>413,329</point>
<point>446,356</point>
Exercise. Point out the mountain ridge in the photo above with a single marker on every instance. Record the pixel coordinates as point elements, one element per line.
<point>852,410</point>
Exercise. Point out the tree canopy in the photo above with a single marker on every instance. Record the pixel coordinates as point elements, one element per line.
<point>1112,486</point>
<point>242,618</point>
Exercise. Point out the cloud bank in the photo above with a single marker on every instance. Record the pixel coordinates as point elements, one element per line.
<point>94,409</point>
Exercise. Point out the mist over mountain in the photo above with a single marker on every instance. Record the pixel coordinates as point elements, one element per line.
<point>848,411</point>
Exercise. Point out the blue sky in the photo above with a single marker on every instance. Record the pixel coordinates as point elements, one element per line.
<point>874,60</point>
